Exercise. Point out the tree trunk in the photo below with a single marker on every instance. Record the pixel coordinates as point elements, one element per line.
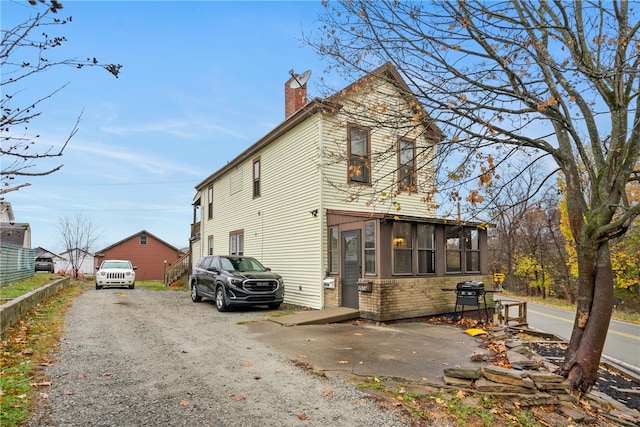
<point>593,313</point>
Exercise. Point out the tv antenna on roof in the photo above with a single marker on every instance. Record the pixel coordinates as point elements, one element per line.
<point>299,80</point>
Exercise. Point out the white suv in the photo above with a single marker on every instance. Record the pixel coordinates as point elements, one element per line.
<point>116,272</point>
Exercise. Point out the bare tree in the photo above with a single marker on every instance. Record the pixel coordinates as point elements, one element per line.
<point>78,234</point>
<point>25,54</point>
<point>556,79</point>
<point>508,209</point>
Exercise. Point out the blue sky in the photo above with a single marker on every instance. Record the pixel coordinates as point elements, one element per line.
<point>201,81</point>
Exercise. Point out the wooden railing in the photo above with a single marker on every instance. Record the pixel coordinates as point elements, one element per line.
<point>178,270</point>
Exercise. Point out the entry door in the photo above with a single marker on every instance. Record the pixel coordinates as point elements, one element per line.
<point>351,267</point>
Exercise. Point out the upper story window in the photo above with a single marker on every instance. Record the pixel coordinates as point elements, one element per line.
<point>143,240</point>
<point>210,202</point>
<point>256,177</point>
<point>407,165</point>
<point>359,152</point>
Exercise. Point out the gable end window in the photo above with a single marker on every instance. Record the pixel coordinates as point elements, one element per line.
<point>359,149</point>
<point>407,165</point>
<point>143,240</point>
<point>256,177</point>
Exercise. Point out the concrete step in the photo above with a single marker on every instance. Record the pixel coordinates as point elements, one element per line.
<point>318,317</point>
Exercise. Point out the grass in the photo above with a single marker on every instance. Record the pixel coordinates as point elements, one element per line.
<point>156,285</point>
<point>558,303</point>
<point>17,289</point>
<point>26,347</point>
<point>450,406</point>
<point>28,344</point>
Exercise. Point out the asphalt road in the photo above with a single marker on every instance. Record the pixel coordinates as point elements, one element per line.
<point>623,339</point>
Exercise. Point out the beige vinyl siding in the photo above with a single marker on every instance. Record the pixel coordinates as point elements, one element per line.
<point>196,253</point>
<point>278,227</point>
<point>339,194</point>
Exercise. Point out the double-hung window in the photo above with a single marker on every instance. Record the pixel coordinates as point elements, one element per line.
<point>210,202</point>
<point>407,165</point>
<point>334,256</point>
<point>359,147</point>
<point>236,243</point>
<point>472,250</point>
<point>370,247</point>
<point>402,248</point>
<point>256,177</point>
<point>453,248</point>
<point>426,248</point>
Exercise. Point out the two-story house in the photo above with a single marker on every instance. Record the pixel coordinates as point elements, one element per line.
<point>336,199</point>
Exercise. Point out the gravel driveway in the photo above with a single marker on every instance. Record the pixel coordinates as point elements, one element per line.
<point>145,358</point>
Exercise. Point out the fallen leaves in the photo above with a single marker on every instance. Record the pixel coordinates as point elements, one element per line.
<point>237,398</point>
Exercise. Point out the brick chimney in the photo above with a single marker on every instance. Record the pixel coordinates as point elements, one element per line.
<point>294,99</point>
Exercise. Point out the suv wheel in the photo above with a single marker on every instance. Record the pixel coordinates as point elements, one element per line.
<point>194,294</point>
<point>221,304</point>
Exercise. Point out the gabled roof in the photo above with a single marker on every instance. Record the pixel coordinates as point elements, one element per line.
<point>40,252</point>
<point>390,74</point>
<point>13,233</point>
<point>134,236</point>
<point>79,250</point>
<point>330,104</point>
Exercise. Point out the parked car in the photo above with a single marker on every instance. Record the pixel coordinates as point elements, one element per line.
<point>116,273</point>
<point>236,281</point>
<point>44,264</point>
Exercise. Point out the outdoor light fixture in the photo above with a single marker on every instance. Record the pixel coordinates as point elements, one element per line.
<point>314,212</point>
<point>398,241</point>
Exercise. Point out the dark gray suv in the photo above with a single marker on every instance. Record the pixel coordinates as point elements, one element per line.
<point>236,281</point>
<point>44,264</point>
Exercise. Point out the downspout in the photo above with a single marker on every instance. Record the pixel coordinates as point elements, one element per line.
<point>323,216</point>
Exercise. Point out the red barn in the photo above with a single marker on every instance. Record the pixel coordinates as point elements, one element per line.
<point>147,252</point>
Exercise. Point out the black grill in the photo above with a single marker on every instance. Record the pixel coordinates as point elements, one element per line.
<point>254,285</point>
<point>471,294</point>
